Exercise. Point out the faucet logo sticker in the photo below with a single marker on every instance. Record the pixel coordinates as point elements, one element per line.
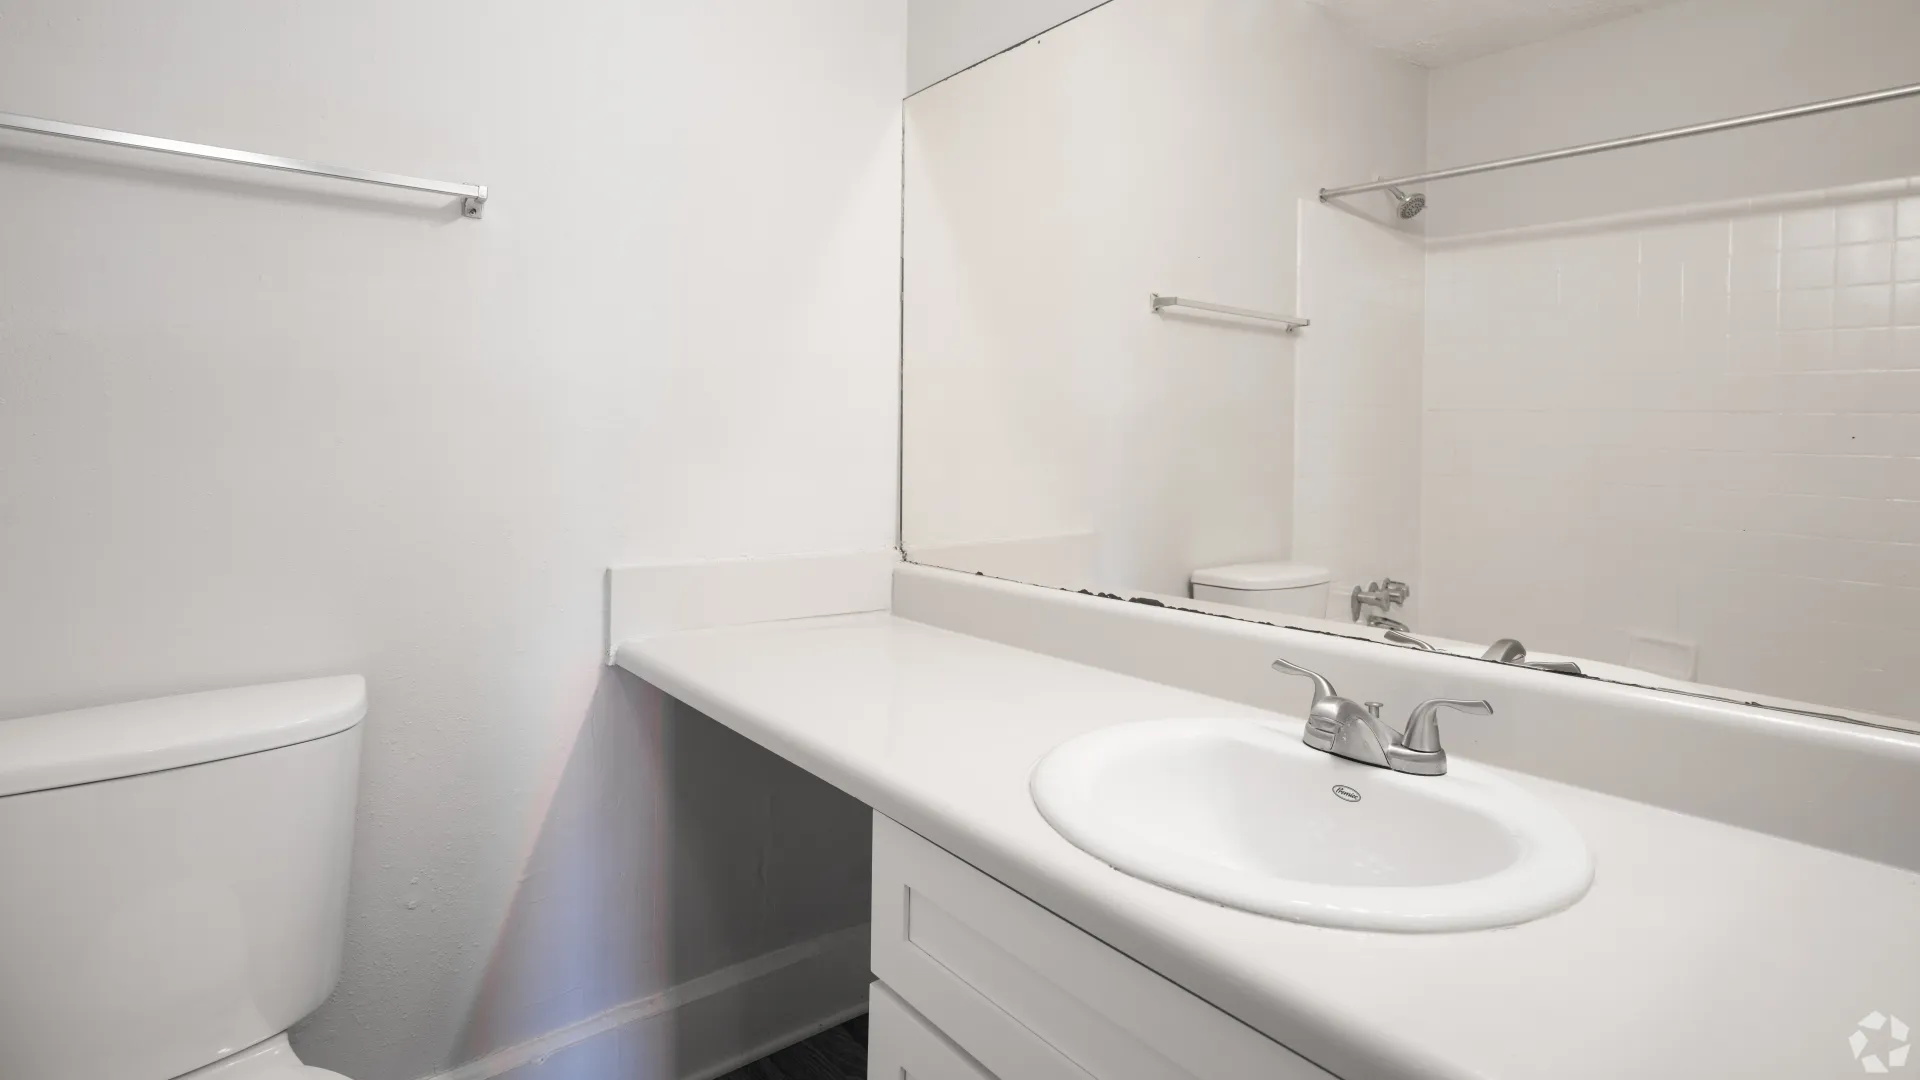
<point>1869,1034</point>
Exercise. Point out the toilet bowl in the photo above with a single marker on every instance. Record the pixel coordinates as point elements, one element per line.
<point>1289,588</point>
<point>175,882</point>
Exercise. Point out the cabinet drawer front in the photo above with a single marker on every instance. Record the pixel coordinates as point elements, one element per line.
<point>902,1046</point>
<point>1032,996</point>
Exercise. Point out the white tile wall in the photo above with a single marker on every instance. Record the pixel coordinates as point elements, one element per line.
<point>1705,431</point>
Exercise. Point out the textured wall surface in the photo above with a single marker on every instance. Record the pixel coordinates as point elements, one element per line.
<point>255,427</point>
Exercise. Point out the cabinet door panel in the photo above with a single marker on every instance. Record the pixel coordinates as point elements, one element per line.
<point>903,1046</point>
<point>1032,996</point>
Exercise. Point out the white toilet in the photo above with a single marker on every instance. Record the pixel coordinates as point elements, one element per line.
<point>173,881</point>
<point>1289,588</point>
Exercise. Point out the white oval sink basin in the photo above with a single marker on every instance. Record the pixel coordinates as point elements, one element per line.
<point>1239,812</point>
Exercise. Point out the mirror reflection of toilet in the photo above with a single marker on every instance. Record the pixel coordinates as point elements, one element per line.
<point>175,881</point>
<point>1290,588</point>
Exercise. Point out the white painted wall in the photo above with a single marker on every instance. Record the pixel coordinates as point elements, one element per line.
<point>253,427</point>
<point>1682,64</point>
<point>946,36</point>
<point>1356,485</point>
<point>1148,146</point>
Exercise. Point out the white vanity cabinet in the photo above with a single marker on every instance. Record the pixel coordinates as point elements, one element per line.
<point>901,1045</point>
<point>977,982</point>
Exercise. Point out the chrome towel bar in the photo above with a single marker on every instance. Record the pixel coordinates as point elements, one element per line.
<point>1161,303</point>
<point>473,197</point>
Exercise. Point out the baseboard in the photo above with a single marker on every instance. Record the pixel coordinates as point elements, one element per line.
<point>665,598</point>
<point>708,1026</point>
<point>779,1042</point>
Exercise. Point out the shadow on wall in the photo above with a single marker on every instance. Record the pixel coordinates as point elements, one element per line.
<point>674,852</point>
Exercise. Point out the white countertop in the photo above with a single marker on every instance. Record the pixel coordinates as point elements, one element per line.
<point>1702,950</point>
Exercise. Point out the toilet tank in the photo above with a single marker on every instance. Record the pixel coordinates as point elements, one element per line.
<point>1285,587</point>
<point>173,876</point>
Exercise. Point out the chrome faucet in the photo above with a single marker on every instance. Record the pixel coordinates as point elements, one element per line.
<point>1399,636</point>
<point>1504,651</point>
<point>1345,728</point>
<point>1509,651</point>
<point>1383,595</point>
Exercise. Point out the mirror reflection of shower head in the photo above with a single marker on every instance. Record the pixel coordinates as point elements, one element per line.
<point>1410,205</point>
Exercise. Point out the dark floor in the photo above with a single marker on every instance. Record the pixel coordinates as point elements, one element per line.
<point>834,1054</point>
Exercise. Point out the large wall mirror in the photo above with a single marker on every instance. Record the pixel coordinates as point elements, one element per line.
<point>1651,414</point>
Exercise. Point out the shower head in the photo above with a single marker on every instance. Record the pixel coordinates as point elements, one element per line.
<point>1410,205</point>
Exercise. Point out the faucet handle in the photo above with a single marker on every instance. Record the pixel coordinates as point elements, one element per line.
<point>1423,730</point>
<point>1322,689</point>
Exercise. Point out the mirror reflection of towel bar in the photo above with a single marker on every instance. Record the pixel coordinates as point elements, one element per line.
<point>1161,303</point>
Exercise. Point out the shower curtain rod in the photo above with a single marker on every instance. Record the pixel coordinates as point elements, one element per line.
<point>1857,100</point>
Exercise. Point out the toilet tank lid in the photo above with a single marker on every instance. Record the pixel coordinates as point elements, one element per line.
<point>114,741</point>
<point>1264,575</point>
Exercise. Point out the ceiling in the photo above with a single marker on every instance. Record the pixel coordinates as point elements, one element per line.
<point>1434,33</point>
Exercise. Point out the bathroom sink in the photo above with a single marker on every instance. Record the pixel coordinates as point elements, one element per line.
<point>1239,812</point>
